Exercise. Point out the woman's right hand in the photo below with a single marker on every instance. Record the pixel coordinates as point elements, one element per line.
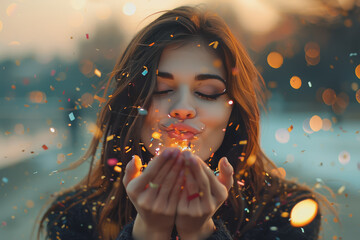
<point>155,193</point>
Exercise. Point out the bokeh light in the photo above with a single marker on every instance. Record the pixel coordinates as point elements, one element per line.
<point>1,25</point>
<point>344,157</point>
<point>11,9</point>
<point>306,126</point>
<point>37,97</point>
<point>357,71</point>
<point>129,8</point>
<point>312,53</point>
<point>275,59</point>
<point>341,103</point>
<point>329,96</point>
<point>357,96</point>
<point>326,124</point>
<point>295,82</point>
<point>316,123</point>
<point>87,100</point>
<point>282,135</point>
<point>61,76</point>
<point>354,86</point>
<point>86,67</point>
<point>303,213</point>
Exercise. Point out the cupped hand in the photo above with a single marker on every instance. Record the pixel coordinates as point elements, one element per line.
<point>155,191</point>
<point>202,195</point>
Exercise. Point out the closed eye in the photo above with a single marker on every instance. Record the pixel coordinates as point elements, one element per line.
<point>201,95</point>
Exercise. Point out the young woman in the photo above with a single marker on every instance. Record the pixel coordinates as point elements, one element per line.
<point>180,156</point>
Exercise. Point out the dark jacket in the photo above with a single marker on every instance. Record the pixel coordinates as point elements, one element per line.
<point>272,224</point>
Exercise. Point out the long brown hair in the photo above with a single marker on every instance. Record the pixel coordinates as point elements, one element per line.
<point>134,80</point>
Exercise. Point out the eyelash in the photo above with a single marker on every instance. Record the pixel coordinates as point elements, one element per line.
<point>207,97</point>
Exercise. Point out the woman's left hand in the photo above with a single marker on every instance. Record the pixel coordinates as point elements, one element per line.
<point>202,195</point>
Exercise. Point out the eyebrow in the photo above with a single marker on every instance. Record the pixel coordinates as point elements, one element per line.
<point>198,77</point>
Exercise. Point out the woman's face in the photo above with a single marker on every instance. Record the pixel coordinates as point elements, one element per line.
<point>185,110</point>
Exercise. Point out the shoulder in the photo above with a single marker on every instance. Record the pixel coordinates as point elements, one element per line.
<point>71,214</point>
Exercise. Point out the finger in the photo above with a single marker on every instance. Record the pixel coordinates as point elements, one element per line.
<point>226,173</point>
<point>132,170</point>
<point>217,188</point>
<point>154,167</point>
<point>192,189</point>
<point>174,196</point>
<point>199,174</point>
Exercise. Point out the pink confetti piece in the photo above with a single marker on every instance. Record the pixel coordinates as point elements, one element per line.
<point>87,36</point>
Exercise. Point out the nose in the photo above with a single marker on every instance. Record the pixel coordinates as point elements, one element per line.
<point>182,109</point>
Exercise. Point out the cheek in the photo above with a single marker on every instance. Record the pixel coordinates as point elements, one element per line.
<point>216,116</point>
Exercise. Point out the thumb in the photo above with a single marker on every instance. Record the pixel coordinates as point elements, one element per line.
<point>226,173</point>
<point>132,169</point>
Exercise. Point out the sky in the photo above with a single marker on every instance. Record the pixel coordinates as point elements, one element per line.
<point>49,27</point>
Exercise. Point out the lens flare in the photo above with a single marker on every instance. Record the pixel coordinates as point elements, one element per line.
<point>303,213</point>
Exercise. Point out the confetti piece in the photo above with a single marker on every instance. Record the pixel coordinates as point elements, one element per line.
<point>109,138</point>
<point>353,54</point>
<point>71,116</point>
<point>344,157</point>
<point>341,190</point>
<point>243,142</point>
<point>87,36</point>
<point>273,228</point>
<point>145,71</point>
<point>215,44</point>
<point>309,83</point>
<point>5,180</point>
<point>290,128</point>
<point>151,44</point>
<point>117,169</point>
<point>303,213</point>
<point>112,162</point>
<point>142,111</point>
<point>44,147</point>
<point>97,72</point>
<point>156,135</point>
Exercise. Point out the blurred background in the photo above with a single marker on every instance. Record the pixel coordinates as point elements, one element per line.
<point>55,58</point>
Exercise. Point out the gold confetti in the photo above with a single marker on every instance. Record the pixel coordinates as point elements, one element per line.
<point>290,128</point>
<point>215,43</point>
<point>97,72</point>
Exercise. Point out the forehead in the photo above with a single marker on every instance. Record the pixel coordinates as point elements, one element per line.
<point>189,60</point>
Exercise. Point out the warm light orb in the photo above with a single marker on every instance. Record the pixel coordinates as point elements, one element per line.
<point>316,123</point>
<point>11,9</point>
<point>303,213</point>
<point>344,157</point>
<point>1,25</point>
<point>129,8</point>
<point>357,71</point>
<point>275,59</point>
<point>326,124</point>
<point>329,96</point>
<point>282,135</point>
<point>357,95</point>
<point>295,82</point>
<point>156,135</point>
